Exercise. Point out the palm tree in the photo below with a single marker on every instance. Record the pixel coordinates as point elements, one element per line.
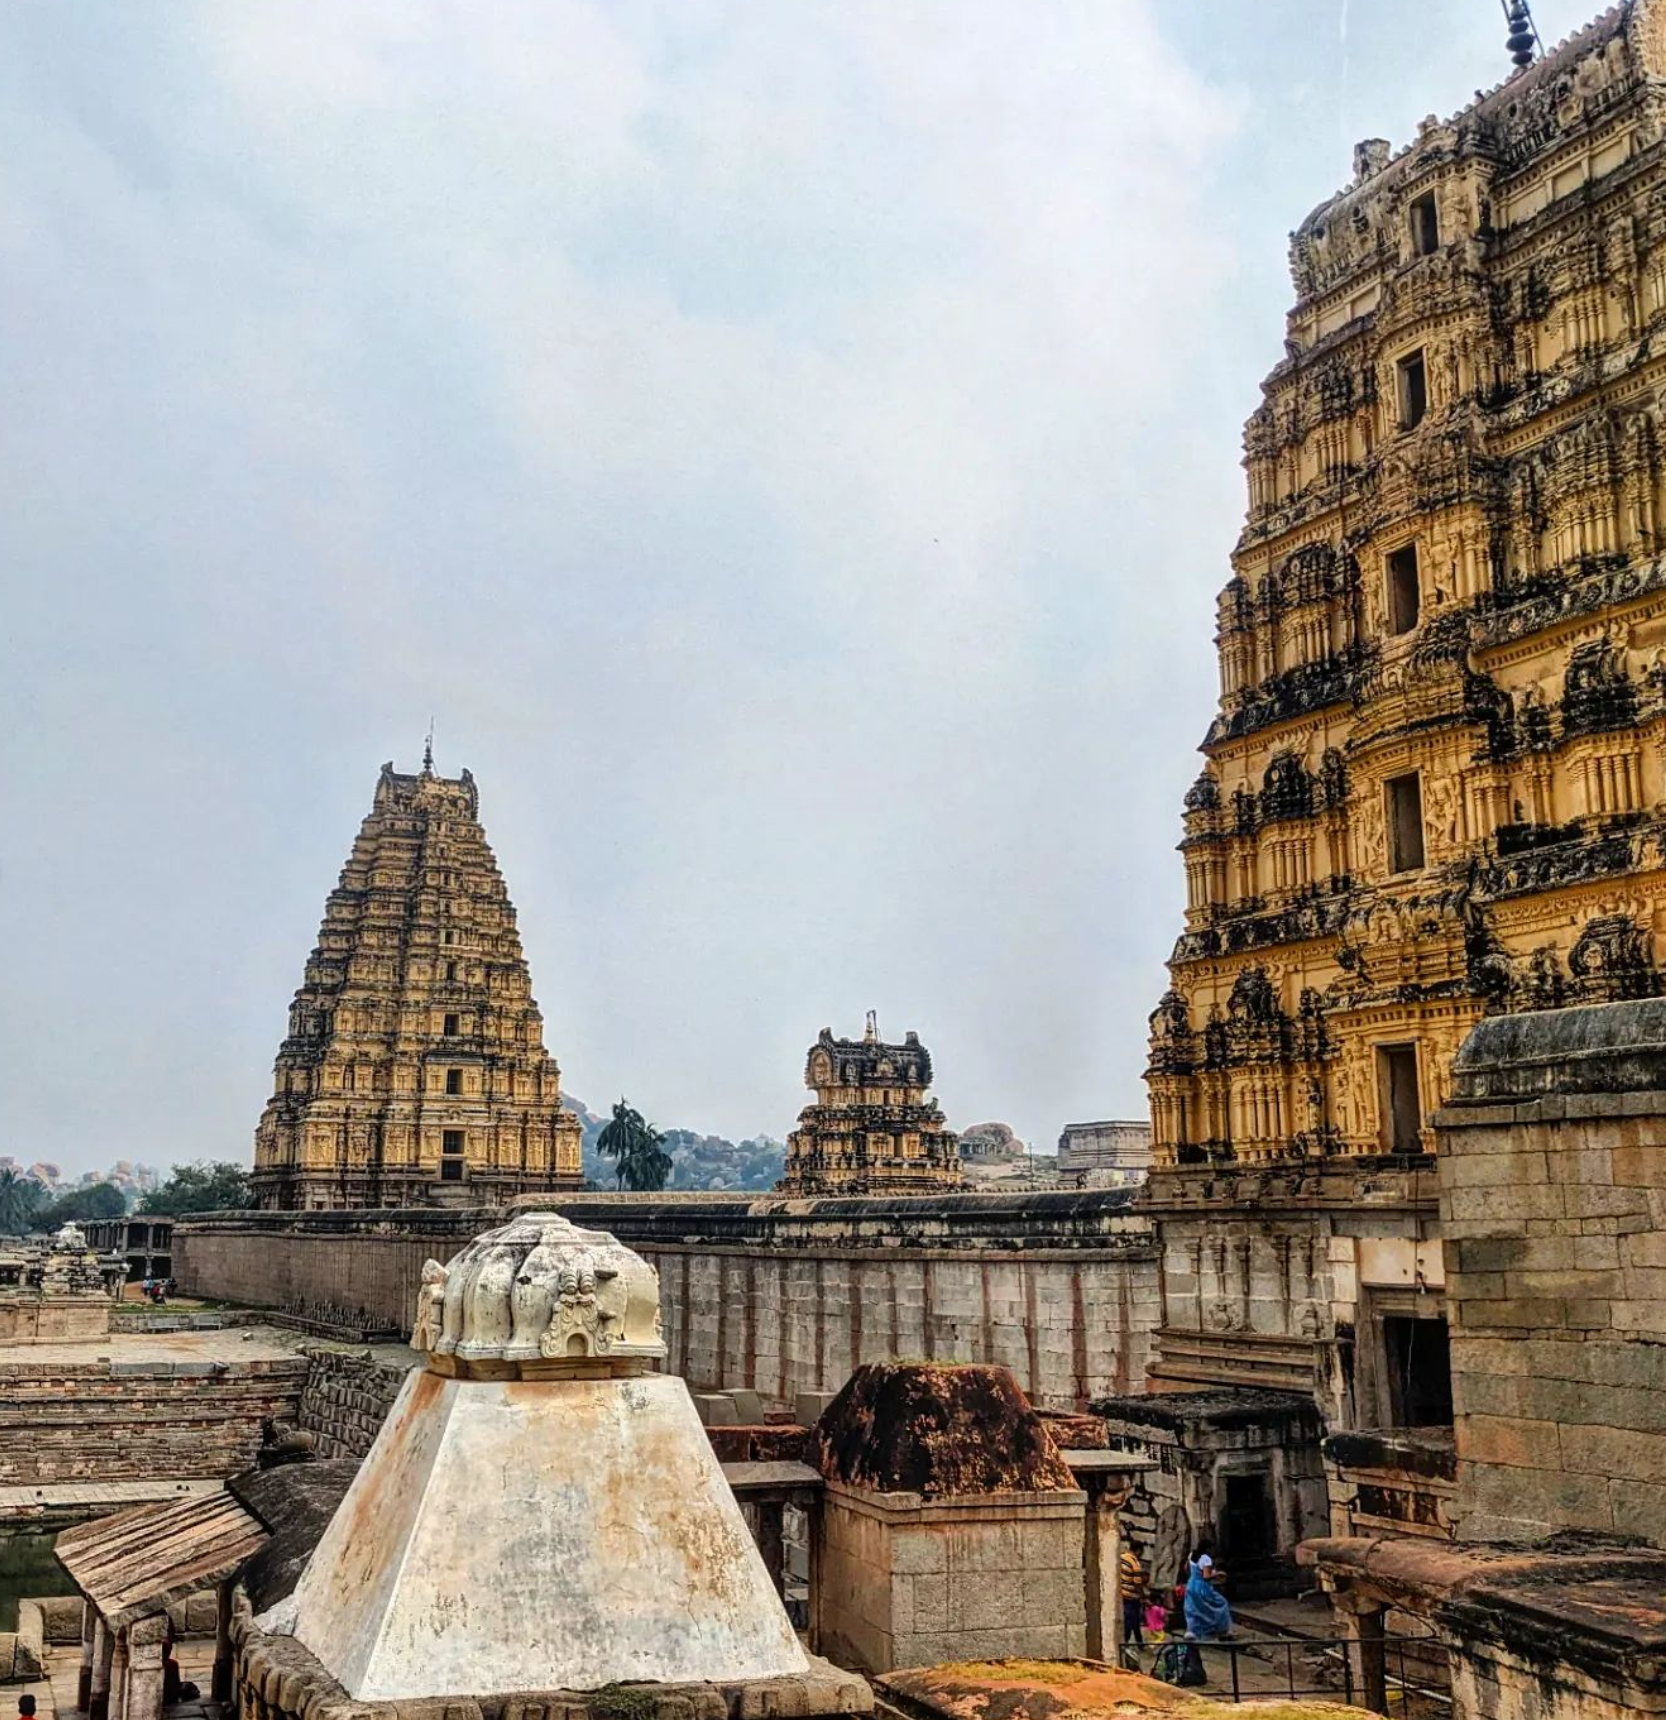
<point>19,1196</point>
<point>633,1144</point>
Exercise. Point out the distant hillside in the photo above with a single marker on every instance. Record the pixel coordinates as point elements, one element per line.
<point>699,1161</point>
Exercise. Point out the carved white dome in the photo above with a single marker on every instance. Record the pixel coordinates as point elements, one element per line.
<point>543,1295</point>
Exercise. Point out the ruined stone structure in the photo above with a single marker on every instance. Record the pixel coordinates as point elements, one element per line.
<point>872,1130</point>
<point>1104,1155</point>
<point>953,1528</point>
<point>80,1418</point>
<point>56,1291</point>
<point>143,1240</point>
<point>414,1070</point>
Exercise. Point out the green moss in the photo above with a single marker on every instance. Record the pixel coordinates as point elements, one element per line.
<point>624,1702</point>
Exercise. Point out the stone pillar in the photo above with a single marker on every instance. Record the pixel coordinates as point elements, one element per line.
<point>84,1683</point>
<point>118,1676</point>
<point>767,1529</point>
<point>104,1644</point>
<point>144,1668</point>
<point>1102,1556</point>
<point>220,1685</point>
<point>1362,1624</point>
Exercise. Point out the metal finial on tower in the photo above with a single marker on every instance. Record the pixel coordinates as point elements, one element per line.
<point>428,750</point>
<point>1523,39</point>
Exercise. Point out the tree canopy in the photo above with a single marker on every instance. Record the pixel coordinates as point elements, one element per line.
<point>634,1144</point>
<point>74,1206</point>
<point>206,1186</point>
<point>21,1197</point>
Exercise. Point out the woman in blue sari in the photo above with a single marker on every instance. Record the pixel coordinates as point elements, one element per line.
<point>1207,1615</point>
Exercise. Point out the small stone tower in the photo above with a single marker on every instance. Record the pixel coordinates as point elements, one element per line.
<point>414,1071</point>
<point>872,1129</point>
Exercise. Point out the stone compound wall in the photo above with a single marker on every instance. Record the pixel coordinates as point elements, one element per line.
<point>347,1396</point>
<point>778,1296</point>
<point>1553,1204</point>
<point>99,1421</point>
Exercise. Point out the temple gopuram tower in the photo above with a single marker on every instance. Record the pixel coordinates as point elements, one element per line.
<point>414,1071</point>
<point>872,1130</point>
<point>1435,783</point>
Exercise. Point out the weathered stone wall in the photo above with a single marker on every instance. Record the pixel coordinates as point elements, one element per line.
<point>101,1421</point>
<point>778,1296</point>
<point>29,1317</point>
<point>1279,1278</point>
<point>347,1396</point>
<point>1553,1202</point>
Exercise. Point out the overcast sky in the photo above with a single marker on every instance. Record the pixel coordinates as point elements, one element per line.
<point>790,448</point>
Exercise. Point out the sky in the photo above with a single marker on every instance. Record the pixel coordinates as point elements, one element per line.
<point>789,450</point>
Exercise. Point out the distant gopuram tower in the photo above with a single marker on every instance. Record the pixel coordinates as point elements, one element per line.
<point>414,1071</point>
<point>872,1130</point>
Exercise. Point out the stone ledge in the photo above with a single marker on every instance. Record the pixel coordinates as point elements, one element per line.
<point>282,1680</point>
<point>1606,1053</point>
<point>1064,1504</point>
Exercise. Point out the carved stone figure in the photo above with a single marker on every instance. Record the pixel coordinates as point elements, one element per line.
<point>430,1308</point>
<point>532,1302</point>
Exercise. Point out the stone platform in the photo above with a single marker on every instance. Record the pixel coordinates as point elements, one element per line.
<point>136,1409</point>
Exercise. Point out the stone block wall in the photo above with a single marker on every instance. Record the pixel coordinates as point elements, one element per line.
<point>28,1317</point>
<point>347,1396</point>
<point>906,1581</point>
<point>775,1296</point>
<point>101,1421</point>
<point>1553,1204</point>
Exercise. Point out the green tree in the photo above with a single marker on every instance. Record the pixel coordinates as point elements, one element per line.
<point>20,1196</point>
<point>92,1200</point>
<point>206,1186</point>
<point>634,1145</point>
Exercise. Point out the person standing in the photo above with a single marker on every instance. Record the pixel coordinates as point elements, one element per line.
<point>1208,1617</point>
<point>1135,1592</point>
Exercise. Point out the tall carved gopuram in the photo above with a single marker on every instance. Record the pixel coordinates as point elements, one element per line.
<point>414,1070</point>
<point>1435,786</point>
<point>1436,783</point>
<point>872,1129</point>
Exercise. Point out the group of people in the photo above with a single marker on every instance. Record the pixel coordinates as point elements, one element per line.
<point>157,1290</point>
<point>1195,1610</point>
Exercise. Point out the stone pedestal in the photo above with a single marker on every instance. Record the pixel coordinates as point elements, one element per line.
<point>909,1581</point>
<point>534,1517</point>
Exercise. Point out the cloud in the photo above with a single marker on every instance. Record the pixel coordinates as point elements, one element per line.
<point>757,433</point>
